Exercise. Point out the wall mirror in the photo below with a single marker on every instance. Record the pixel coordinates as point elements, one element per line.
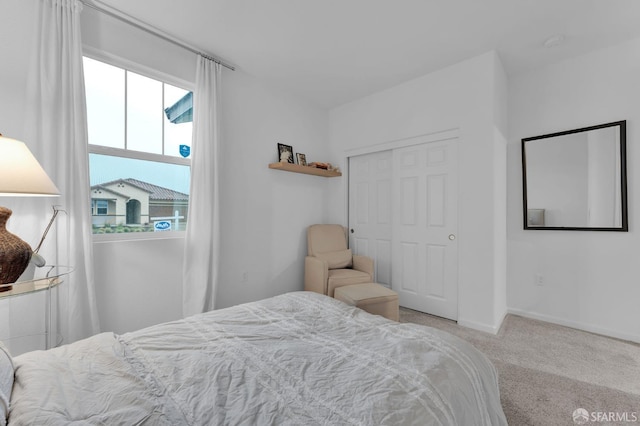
<point>576,179</point>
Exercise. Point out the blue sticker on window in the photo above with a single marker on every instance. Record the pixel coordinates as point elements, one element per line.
<point>185,150</point>
<point>162,225</point>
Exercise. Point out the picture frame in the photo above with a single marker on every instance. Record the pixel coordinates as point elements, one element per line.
<point>285,153</point>
<point>302,159</point>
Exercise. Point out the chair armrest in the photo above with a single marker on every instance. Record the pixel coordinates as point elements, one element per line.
<point>363,264</point>
<point>316,274</point>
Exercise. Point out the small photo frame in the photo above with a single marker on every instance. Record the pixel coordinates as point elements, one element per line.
<point>285,153</point>
<point>302,159</point>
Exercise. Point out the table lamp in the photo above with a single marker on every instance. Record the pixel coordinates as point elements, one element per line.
<point>20,175</point>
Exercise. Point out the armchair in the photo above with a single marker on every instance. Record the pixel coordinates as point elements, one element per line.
<point>330,264</point>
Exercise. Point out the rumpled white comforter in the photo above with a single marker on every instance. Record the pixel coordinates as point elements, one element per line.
<point>295,359</point>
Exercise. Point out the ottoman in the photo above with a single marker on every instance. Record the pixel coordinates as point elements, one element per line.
<point>371,297</point>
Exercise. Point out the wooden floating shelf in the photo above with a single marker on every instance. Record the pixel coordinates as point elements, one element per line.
<point>307,170</point>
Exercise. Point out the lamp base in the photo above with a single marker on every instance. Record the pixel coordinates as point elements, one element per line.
<point>14,253</point>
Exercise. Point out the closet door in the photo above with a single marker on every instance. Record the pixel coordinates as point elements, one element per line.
<point>370,213</point>
<point>425,199</point>
<point>403,210</point>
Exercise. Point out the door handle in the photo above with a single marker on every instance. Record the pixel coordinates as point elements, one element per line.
<point>352,231</point>
<point>452,237</point>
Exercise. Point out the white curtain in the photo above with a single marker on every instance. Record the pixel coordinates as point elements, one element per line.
<point>56,132</point>
<point>202,247</point>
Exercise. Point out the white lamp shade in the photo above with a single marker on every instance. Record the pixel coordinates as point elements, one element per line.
<point>20,172</point>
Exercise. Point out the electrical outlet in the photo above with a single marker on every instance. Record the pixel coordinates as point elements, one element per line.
<point>245,277</point>
<point>539,279</point>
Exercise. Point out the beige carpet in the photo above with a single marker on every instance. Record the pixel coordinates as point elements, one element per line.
<point>548,371</point>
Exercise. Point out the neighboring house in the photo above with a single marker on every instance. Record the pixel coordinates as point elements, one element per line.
<point>134,203</point>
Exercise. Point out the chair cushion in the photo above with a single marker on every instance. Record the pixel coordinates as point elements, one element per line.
<point>342,277</point>
<point>337,259</point>
<point>326,238</point>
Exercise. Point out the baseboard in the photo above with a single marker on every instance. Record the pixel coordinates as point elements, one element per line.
<point>487,328</point>
<point>577,325</point>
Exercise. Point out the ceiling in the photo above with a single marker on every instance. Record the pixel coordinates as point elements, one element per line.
<point>335,51</point>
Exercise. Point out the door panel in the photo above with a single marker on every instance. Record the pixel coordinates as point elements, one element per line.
<point>435,270</point>
<point>370,215</point>
<point>361,246</point>
<point>408,277</point>
<point>426,179</point>
<point>383,263</point>
<point>436,203</point>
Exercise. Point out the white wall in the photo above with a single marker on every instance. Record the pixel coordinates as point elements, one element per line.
<point>138,282</point>
<point>500,225</point>
<point>471,97</point>
<point>264,212</point>
<point>500,118</point>
<point>590,278</point>
<point>15,43</point>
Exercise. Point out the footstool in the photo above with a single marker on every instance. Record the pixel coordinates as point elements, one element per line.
<point>371,297</point>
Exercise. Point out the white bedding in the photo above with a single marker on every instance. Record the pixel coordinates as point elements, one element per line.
<point>296,359</point>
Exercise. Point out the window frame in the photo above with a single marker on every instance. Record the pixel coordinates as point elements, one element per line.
<point>97,206</point>
<point>128,65</point>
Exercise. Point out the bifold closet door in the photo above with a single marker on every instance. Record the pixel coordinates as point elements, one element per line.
<point>403,208</point>
<point>370,204</point>
<point>425,252</point>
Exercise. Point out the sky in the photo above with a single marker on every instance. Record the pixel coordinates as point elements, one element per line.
<point>135,121</point>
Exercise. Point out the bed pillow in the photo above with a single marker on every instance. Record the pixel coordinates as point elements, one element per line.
<point>337,259</point>
<point>6,382</point>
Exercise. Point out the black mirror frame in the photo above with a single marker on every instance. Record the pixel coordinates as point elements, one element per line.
<point>623,176</point>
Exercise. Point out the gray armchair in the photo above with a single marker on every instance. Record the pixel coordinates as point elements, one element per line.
<point>330,264</point>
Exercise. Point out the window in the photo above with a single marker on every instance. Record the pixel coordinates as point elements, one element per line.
<point>100,207</point>
<point>139,148</point>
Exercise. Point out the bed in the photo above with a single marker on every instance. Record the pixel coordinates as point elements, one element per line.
<point>300,358</point>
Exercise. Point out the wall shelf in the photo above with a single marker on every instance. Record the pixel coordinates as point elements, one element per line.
<point>307,170</point>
